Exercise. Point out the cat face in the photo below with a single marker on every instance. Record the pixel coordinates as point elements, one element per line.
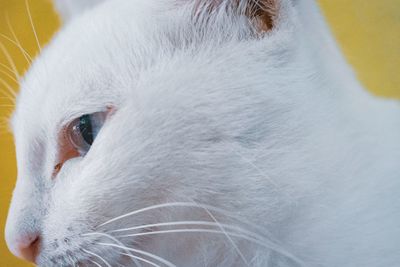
<point>138,104</point>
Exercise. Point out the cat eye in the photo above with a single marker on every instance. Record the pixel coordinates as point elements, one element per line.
<point>78,136</point>
<point>83,131</point>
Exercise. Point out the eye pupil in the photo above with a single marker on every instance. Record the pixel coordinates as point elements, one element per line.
<point>83,131</point>
<point>85,127</point>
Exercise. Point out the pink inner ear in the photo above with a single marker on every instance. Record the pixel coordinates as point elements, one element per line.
<point>265,13</point>
<point>262,12</point>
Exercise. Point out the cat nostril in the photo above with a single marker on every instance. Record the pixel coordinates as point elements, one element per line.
<point>28,248</point>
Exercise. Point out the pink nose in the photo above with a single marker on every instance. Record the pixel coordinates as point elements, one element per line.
<point>27,247</point>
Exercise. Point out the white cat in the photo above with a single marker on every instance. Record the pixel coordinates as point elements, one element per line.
<point>202,133</point>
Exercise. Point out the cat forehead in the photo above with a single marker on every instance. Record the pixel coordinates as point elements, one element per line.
<point>82,58</point>
<point>105,47</point>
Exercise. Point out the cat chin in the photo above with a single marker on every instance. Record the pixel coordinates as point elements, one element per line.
<point>81,259</point>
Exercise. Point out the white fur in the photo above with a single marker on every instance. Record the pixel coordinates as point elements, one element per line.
<point>70,8</point>
<point>274,129</point>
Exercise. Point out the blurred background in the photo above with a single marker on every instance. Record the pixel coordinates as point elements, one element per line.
<point>368,32</point>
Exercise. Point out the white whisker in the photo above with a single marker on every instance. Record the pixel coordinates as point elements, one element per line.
<point>72,260</point>
<point>96,255</point>
<point>4,130</point>
<point>185,223</point>
<point>115,240</point>
<point>18,45</point>
<point>16,41</point>
<point>227,236</point>
<point>4,122</point>
<point>190,230</point>
<point>8,96</point>
<point>10,90</point>
<point>94,262</point>
<point>186,205</point>
<point>141,259</point>
<point>32,24</point>
<point>269,246</point>
<point>9,76</point>
<point>148,254</point>
<point>7,68</point>
<point>269,243</point>
<point>10,60</point>
<point>272,181</point>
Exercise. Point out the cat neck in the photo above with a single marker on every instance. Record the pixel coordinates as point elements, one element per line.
<point>368,126</point>
<point>323,49</point>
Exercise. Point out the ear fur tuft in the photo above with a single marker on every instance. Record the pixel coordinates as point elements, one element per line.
<point>264,13</point>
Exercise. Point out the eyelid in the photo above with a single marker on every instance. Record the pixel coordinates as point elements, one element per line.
<point>62,124</point>
<point>65,149</point>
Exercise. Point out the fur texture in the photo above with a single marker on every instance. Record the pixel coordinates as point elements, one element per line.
<point>264,136</point>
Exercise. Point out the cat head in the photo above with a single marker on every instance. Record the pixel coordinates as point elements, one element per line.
<point>140,103</point>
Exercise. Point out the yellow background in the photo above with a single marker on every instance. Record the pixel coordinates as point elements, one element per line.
<point>368,31</point>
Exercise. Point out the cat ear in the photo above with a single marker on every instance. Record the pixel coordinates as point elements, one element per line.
<point>69,8</point>
<point>262,13</point>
